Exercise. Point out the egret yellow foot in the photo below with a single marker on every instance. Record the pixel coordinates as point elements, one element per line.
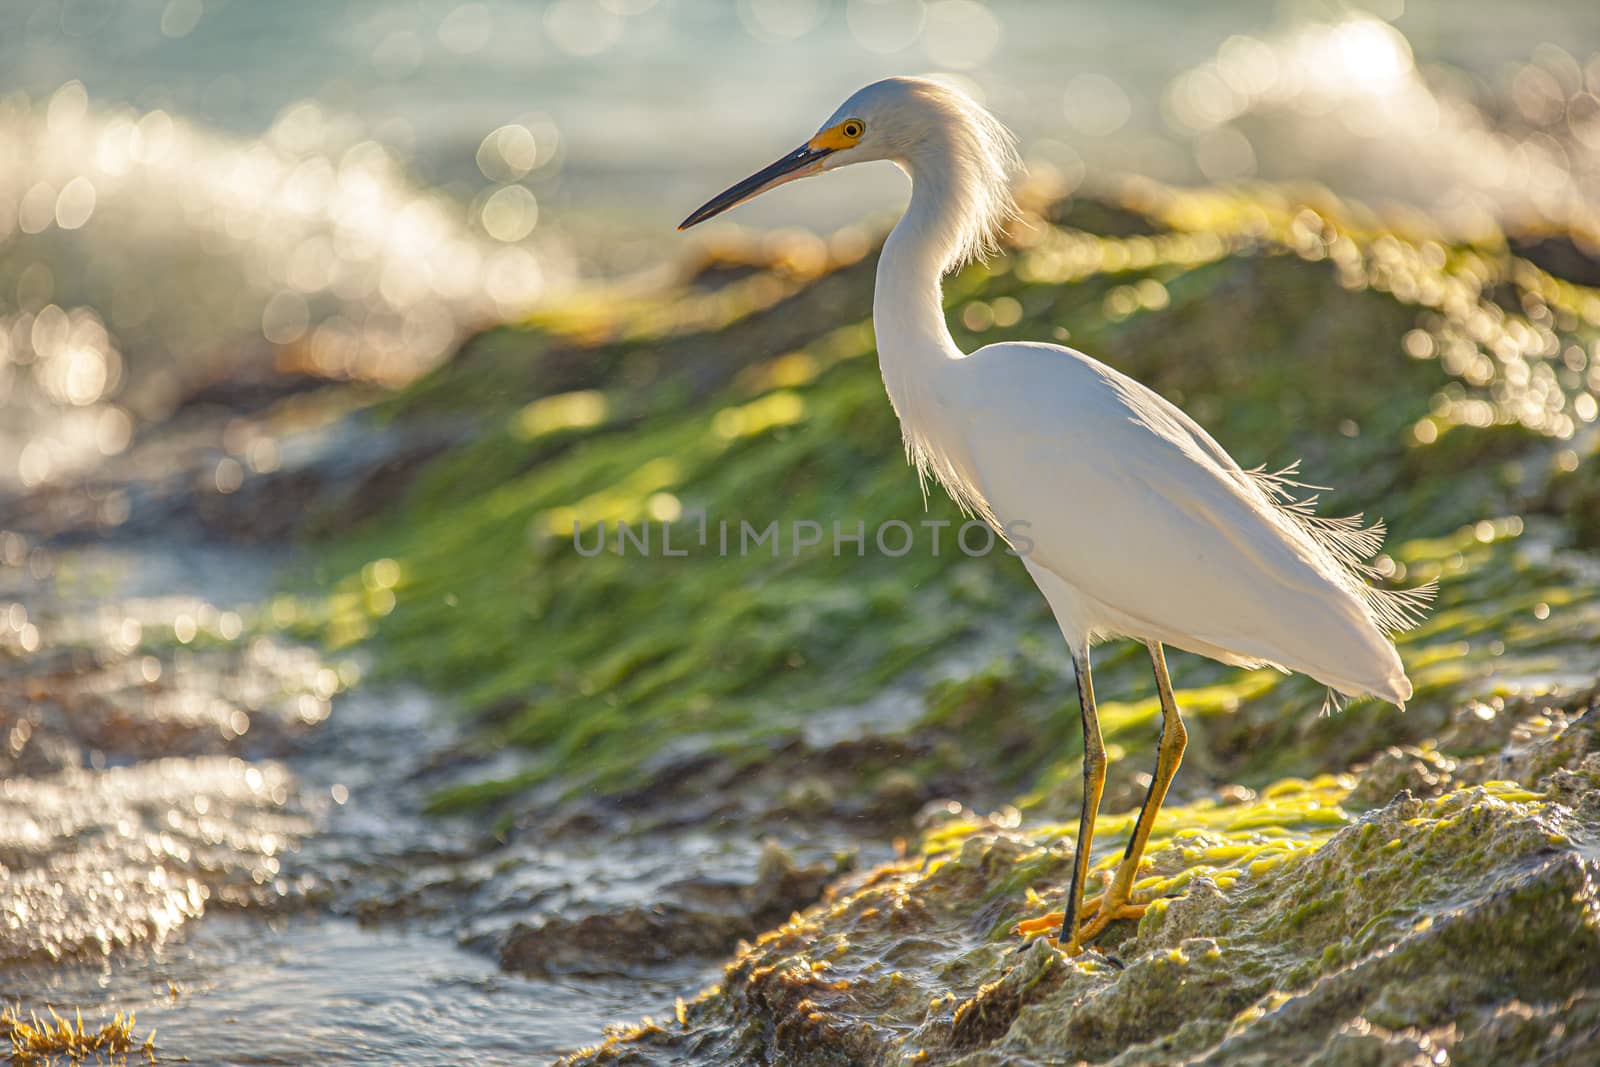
<point>1049,923</point>
<point>1106,914</point>
<point>1094,919</point>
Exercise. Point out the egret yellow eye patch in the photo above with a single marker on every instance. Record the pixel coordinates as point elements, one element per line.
<point>844,135</point>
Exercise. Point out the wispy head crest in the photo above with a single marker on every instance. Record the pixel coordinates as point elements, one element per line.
<point>949,141</point>
<point>985,161</point>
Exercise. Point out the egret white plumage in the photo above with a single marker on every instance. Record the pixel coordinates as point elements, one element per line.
<point>1140,524</point>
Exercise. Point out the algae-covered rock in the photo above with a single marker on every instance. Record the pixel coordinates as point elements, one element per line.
<point>1363,886</point>
<point>1394,364</point>
<point>1282,930</point>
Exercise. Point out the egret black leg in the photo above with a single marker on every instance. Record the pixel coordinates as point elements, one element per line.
<point>1117,902</point>
<point>1094,781</point>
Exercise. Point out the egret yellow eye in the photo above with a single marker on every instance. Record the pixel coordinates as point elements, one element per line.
<point>844,135</point>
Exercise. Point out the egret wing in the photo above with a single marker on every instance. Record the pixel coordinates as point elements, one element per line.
<point>1161,533</point>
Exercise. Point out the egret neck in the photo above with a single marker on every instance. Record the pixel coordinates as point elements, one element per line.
<point>908,306</point>
<point>908,322</point>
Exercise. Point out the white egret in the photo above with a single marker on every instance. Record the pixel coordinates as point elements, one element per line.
<point>1141,525</point>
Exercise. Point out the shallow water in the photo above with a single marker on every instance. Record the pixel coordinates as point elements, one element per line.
<point>314,914</point>
<point>277,978</point>
<point>309,989</point>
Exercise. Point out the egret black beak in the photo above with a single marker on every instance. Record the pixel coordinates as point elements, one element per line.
<point>803,161</point>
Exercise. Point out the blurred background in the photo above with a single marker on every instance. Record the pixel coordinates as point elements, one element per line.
<point>192,190</point>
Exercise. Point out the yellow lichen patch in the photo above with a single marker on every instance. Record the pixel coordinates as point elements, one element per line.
<point>1292,818</point>
<point>36,1040</point>
<point>602,314</point>
<point>627,501</point>
<point>781,408</point>
<point>1511,792</point>
<point>580,410</point>
<point>1263,1007</point>
<point>788,371</point>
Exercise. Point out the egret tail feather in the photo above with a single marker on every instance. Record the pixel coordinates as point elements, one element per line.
<point>1351,543</point>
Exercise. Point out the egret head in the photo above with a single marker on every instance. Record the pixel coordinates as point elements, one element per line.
<point>934,132</point>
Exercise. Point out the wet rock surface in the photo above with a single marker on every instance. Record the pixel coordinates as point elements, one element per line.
<point>140,787</point>
<point>703,917</point>
<point>1286,929</point>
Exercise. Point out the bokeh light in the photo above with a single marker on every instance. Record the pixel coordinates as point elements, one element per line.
<point>886,26</point>
<point>360,222</point>
<point>960,34</point>
<point>779,20</point>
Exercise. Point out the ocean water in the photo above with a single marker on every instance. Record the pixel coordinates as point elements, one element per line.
<point>192,190</point>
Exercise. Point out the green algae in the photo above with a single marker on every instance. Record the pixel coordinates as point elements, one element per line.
<point>1317,880</point>
<point>1286,328</point>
